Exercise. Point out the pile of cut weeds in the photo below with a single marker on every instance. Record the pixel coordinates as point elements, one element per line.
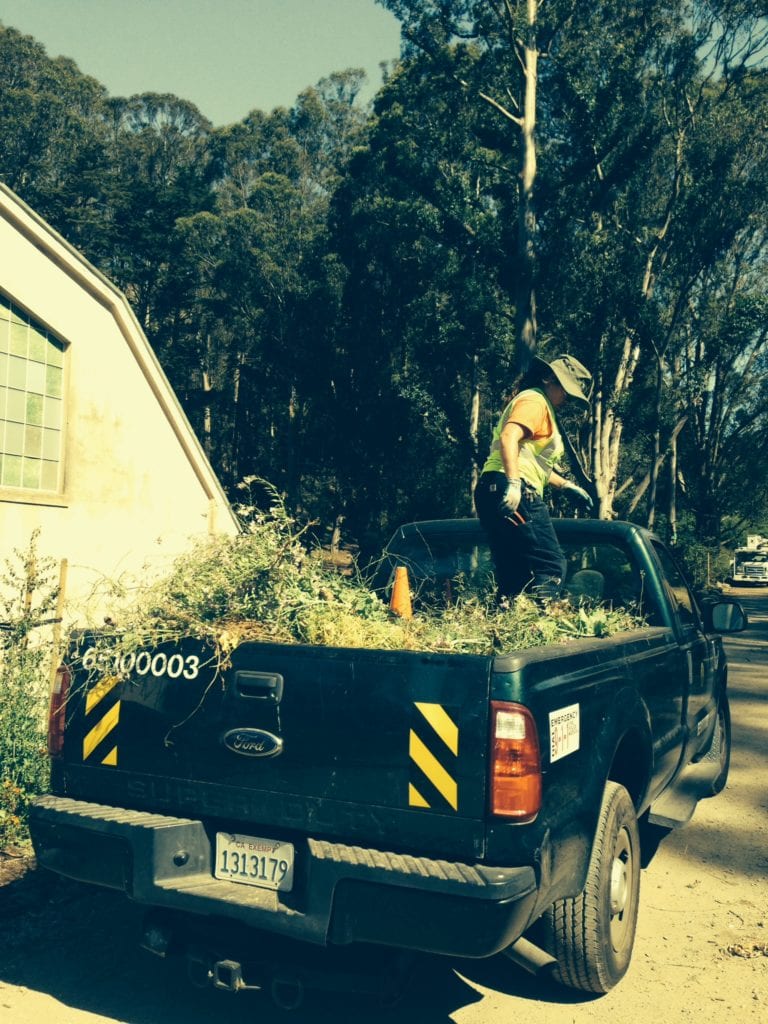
<point>266,584</point>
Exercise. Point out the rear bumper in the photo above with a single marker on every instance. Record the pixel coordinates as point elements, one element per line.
<point>341,894</point>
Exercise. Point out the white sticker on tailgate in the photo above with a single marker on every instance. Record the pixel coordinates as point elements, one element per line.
<point>563,732</point>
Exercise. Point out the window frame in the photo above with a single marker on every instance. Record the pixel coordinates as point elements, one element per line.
<point>21,495</point>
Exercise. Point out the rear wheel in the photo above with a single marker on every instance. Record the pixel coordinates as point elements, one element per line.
<point>593,934</point>
<point>719,752</point>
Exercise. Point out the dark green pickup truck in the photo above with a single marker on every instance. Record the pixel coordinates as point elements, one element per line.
<point>455,804</point>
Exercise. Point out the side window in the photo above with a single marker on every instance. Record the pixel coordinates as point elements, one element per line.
<point>677,587</point>
<point>31,403</point>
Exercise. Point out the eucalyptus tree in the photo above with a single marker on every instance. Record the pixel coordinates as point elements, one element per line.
<point>624,97</point>
<point>112,175</point>
<point>655,173</point>
<point>504,38</point>
<point>427,323</point>
<point>720,368</point>
<point>54,147</point>
<point>159,171</point>
<point>717,357</point>
<point>259,291</point>
<point>722,373</point>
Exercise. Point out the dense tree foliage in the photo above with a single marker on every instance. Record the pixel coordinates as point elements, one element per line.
<point>341,295</point>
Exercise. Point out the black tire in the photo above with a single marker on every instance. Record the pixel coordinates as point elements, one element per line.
<point>593,934</point>
<point>720,748</point>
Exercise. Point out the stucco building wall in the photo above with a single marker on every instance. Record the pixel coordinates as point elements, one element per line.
<point>136,487</point>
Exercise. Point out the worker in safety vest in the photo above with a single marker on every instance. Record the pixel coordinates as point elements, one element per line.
<point>509,497</point>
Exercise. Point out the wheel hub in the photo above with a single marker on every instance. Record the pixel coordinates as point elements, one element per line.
<point>622,868</point>
<point>619,885</point>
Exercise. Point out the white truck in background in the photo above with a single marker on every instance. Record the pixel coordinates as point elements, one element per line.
<point>750,563</point>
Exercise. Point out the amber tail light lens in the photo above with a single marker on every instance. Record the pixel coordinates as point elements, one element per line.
<point>57,711</point>
<point>515,762</point>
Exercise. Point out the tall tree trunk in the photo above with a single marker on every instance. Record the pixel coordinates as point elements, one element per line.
<point>608,427</point>
<point>644,484</point>
<point>672,513</point>
<point>608,433</point>
<point>527,54</point>
<point>656,455</point>
<point>234,468</point>
<point>291,475</point>
<point>474,426</point>
<point>207,389</point>
<point>525,297</point>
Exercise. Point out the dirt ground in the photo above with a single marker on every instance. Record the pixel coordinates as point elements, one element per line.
<point>68,955</point>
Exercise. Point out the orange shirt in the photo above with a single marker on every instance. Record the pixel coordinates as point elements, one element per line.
<point>531,410</point>
<point>541,449</point>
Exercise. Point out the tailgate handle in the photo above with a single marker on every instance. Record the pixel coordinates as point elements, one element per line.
<point>259,686</point>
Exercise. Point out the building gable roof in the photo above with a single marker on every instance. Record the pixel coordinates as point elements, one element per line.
<point>70,261</point>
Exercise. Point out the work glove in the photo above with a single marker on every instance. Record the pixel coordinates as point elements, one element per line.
<point>511,497</point>
<point>578,494</point>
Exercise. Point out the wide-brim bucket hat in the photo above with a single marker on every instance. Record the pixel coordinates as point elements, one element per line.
<point>573,376</point>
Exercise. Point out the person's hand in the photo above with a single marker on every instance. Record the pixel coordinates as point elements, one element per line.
<point>511,497</point>
<point>578,494</point>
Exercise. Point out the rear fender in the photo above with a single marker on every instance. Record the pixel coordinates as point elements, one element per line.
<point>623,753</point>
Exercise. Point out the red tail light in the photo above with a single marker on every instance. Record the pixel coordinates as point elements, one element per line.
<point>515,762</point>
<point>57,711</point>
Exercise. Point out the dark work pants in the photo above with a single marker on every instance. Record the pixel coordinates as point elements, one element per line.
<point>527,556</point>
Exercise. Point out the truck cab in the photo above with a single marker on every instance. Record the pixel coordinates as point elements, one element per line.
<point>750,564</point>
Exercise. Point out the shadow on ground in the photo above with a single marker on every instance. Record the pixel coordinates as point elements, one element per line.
<point>80,946</point>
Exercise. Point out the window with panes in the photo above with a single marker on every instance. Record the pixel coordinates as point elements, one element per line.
<point>31,402</point>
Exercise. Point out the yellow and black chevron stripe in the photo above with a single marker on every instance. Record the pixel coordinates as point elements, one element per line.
<point>433,749</point>
<point>102,714</point>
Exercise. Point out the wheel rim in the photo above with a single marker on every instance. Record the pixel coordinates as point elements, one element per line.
<point>622,890</point>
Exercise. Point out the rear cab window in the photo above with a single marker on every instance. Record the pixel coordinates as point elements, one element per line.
<point>600,570</point>
<point>603,571</point>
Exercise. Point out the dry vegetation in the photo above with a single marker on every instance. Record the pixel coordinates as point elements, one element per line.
<point>267,585</point>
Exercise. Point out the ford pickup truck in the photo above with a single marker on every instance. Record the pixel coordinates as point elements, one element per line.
<point>453,804</point>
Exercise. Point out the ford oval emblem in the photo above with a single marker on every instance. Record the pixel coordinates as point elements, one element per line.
<point>252,742</point>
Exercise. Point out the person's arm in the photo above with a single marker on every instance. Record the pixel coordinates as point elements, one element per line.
<point>509,442</point>
<point>560,482</point>
<point>511,437</point>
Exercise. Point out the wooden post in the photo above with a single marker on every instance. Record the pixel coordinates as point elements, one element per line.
<point>58,616</point>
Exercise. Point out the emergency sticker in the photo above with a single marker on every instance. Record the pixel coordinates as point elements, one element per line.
<point>563,732</point>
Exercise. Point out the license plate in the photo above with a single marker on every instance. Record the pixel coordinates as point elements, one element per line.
<point>266,863</point>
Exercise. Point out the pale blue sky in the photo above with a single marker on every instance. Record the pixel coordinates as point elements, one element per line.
<point>226,56</point>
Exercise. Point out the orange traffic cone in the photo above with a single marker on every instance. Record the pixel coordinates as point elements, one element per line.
<point>400,601</point>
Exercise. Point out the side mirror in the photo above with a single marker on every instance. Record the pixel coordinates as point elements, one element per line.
<point>726,617</point>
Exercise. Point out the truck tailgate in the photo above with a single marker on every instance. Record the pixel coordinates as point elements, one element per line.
<point>382,748</point>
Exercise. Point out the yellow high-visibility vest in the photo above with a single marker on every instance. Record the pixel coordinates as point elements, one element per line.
<point>538,457</point>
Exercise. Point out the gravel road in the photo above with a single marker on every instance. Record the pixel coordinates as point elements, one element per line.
<point>68,955</point>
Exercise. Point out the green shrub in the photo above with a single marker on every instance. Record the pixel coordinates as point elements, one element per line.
<point>27,599</point>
